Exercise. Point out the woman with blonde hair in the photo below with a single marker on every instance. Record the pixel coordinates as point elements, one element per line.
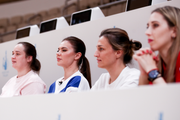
<point>163,36</point>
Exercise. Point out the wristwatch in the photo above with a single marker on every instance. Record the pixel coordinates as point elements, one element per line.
<point>153,74</point>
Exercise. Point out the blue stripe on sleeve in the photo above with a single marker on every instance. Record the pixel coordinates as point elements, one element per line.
<point>73,82</point>
<point>52,88</point>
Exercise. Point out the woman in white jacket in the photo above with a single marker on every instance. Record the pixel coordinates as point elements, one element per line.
<point>114,52</point>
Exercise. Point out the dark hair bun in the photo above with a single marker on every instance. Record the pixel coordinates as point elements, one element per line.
<point>136,45</point>
<point>36,65</point>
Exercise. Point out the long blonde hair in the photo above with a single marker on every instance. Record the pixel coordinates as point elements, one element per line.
<point>172,16</point>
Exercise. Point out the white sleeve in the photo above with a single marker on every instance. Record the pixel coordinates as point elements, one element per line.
<point>33,88</point>
<point>71,89</point>
<point>94,87</point>
<point>98,83</point>
<point>131,81</point>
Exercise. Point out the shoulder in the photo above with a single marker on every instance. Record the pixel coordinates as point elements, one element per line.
<point>34,77</point>
<point>78,76</point>
<point>178,59</point>
<point>130,74</point>
<point>104,76</point>
<point>75,79</point>
<point>101,82</point>
<point>177,69</point>
<point>131,71</point>
<point>10,81</point>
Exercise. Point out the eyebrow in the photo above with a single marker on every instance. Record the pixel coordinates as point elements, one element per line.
<point>62,48</point>
<point>15,51</point>
<point>99,45</point>
<point>152,22</point>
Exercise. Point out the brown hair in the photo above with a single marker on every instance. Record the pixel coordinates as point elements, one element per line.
<point>30,50</point>
<point>118,39</point>
<point>83,63</point>
<point>172,16</point>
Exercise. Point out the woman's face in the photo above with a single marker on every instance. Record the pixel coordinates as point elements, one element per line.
<point>19,59</point>
<point>104,53</point>
<point>65,55</point>
<point>159,33</point>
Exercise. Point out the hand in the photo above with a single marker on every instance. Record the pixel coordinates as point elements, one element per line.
<point>146,59</point>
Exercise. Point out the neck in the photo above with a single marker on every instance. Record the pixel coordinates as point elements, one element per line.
<point>164,52</point>
<point>115,70</point>
<point>23,72</point>
<point>164,55</point>
<point>68,71</point>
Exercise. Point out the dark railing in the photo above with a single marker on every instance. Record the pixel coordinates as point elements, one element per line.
<point>101,6</point>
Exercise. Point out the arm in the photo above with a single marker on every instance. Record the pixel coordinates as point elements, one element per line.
<point>147,62</point>
<point>72,85</point>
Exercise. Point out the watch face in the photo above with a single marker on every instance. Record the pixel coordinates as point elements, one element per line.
<point>153,74</point>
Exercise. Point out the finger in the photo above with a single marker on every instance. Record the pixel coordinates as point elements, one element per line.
<point>135,57</point>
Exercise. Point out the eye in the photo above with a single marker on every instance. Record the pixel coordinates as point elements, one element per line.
<point>155,25</point>
<point>100,49</point>
<point>58,50</point>
<point>147,25</point>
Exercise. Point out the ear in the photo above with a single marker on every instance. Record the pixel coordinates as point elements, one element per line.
<point>119,53</point>
<point>78,56</point>
<point>29,58</point>
<point>174,33</point>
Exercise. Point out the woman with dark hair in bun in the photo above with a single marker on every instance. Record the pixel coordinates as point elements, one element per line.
<point>27,80</point>
<point>71,56</point>
<point>114,52</point>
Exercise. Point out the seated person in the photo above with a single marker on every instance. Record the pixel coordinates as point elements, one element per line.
<point>163,36</point>
<point>71,56</point>
<point>27,80</point>
<point>114,52</point>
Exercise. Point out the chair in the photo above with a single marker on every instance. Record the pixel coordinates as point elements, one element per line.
<point>43,14</point>
<point>2,31</point>
<point>4,22</point>
<point>117,8</point>
<point>16,20</point>
<point>83,4</point>
<point>94,3</point>
<point>26,18</point>
<point>70,8</point>
<point>53,13</point>
<point>9,37</point>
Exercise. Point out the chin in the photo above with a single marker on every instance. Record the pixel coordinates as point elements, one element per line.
<point>14,66</point>
<point>153,49</point>
<point>58,64</point>
<point>100,66</point>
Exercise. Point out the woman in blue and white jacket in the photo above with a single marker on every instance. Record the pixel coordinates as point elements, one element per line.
<point>71,56</point>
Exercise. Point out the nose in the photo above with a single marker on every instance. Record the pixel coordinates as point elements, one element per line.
<point>58,53</point>
<point>96,54</point>
<point>148,31</point>
<point>13,56</point>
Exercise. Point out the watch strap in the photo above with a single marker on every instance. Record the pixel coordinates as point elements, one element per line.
<point>153,74</point>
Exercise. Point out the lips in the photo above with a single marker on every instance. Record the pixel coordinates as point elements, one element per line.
<point>150,40</point>
<point>98,60</point>
<point>13,62</point>
<point>58,59</point>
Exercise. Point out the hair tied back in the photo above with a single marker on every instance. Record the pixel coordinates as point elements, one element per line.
<point>135,44</point>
